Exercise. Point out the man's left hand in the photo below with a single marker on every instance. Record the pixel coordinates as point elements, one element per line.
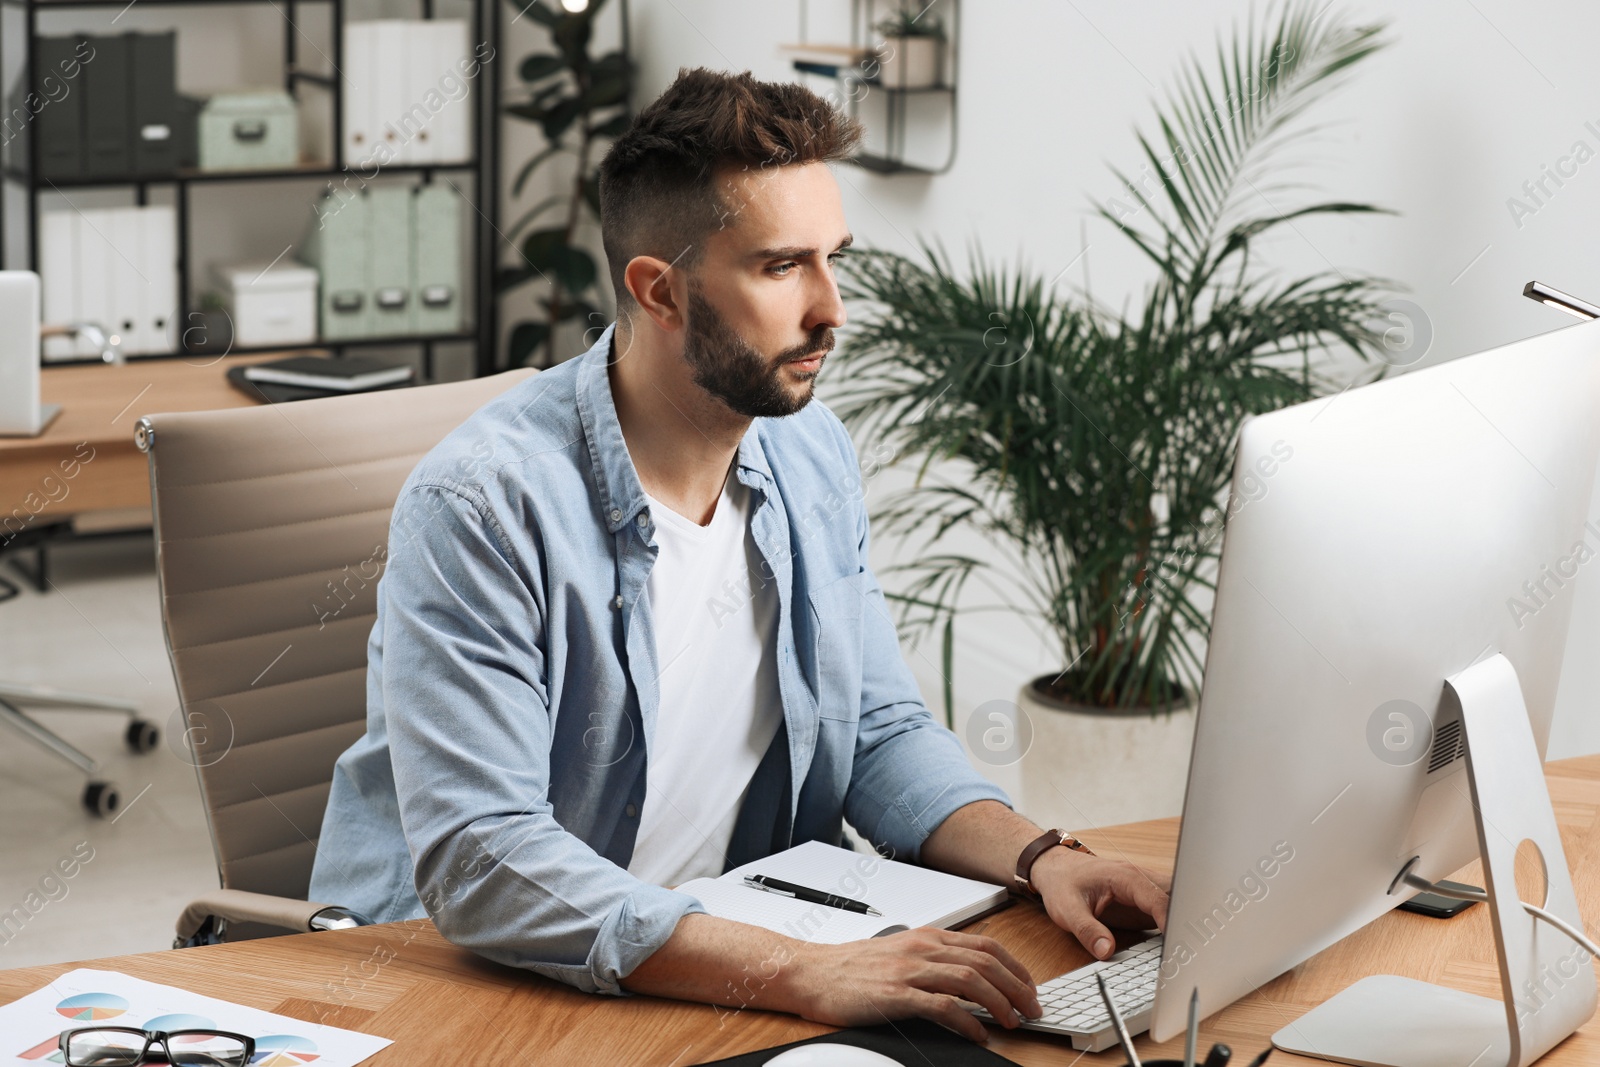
<point>1083,893</point>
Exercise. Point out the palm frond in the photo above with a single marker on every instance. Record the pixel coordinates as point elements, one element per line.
<point>1094,446</point>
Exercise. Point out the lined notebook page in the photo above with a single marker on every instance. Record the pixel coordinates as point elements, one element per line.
<point>909,896</point>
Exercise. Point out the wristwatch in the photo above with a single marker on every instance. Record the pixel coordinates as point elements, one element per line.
<point>1036,847</point>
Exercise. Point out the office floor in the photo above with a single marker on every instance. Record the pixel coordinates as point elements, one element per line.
<point>99,631</point>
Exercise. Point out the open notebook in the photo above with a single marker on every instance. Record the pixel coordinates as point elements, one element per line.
<point>909,896</point>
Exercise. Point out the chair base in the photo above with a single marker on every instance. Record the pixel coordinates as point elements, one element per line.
<point>101,797</point>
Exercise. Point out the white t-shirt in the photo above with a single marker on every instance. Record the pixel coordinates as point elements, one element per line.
<point>715,621</point>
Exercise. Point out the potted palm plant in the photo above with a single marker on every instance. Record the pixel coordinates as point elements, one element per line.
<point>912,53</point>
<point>1092,449</point>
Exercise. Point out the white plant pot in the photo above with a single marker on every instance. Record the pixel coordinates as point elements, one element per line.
<point>1085,769</point>
<point>910,62</point>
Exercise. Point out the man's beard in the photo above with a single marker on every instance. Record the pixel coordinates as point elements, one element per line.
<point>735,373</point>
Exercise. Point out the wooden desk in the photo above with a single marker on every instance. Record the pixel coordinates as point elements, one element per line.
<point>93,435</point>
<point>403,981</point>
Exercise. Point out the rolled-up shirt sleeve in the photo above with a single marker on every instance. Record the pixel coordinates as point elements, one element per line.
<point>470,732</point>
<point>910,773</point>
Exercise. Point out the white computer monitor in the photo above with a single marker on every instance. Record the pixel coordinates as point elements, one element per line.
<point>1380,542</point>
<point>21,413</point>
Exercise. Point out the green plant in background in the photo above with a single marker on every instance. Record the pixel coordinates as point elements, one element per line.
<point>569,93</point>
<point>1097,445</point>
<point>908,22</point>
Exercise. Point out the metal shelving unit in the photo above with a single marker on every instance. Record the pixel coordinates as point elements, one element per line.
<point>864,14</point>
<point>483,197</point>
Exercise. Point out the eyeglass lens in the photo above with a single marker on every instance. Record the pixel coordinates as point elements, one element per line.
<point>124,1048</point>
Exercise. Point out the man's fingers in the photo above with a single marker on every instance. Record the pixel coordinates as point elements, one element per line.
<point>1019,994</point>
<point>994,948</point>
<point>960,980</point>
<point>949,1014</point>
<point>1091,933</point>
<point>1135,887</point>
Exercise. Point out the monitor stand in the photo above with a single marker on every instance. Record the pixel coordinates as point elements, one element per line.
<point>47,415</point>
<point>1546,980</point>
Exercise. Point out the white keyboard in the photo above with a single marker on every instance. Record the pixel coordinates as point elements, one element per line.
<point>1072,1004</point>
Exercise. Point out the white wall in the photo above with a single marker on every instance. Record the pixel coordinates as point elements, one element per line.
<point>1470,102</point>
<point>1443,127</point>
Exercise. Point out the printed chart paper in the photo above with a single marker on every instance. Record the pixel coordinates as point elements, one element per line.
<point>30,1028</point>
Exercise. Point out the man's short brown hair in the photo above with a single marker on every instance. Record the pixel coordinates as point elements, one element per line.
<point>658,194</point>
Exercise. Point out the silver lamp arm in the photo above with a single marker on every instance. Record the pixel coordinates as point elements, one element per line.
<point>109,344</point>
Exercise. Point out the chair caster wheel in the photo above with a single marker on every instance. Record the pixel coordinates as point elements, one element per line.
<point>142,736</point>
<point>101,798</point>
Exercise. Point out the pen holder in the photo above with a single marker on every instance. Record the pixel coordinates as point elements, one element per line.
<point>1200,1058</point>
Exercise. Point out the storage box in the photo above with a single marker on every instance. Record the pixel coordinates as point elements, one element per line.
<point>274,305</point>
<point>249,131</point>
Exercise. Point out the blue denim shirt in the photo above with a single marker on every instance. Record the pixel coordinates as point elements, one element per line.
<point>511,687</point>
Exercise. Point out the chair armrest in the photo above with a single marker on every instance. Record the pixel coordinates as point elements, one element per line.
<point>236,905</point>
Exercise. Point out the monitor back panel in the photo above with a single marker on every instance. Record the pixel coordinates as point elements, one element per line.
<point>1377,543</point>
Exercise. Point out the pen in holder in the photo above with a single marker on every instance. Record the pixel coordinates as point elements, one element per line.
<point>1219,1056</point>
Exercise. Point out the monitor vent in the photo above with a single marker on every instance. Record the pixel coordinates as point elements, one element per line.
<point>1449,745</point>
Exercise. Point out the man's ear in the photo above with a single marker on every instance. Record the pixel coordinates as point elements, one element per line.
<point>650,281</point>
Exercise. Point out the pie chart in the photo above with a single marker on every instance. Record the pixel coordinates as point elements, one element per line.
<point>91,1007</point>
<point>180,1021</point>
<point>283,1050</point>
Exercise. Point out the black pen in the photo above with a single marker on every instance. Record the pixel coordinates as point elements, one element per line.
<point>810,896</point>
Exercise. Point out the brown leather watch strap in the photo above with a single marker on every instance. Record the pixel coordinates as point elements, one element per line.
<point>1036,847</point>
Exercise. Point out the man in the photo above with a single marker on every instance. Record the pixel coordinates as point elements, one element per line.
<point>628,635</point>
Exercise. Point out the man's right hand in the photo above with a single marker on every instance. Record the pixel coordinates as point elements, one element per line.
<point>917,972</point>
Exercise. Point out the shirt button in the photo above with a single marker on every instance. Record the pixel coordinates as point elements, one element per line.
<point>616,513</point>
<point>644,519</point>
<point>632,809</point>
<point>616,601</point>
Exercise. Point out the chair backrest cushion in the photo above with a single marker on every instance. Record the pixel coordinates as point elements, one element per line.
<point>271,528</point>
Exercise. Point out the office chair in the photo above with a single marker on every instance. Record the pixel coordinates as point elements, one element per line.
<point>271,530</point>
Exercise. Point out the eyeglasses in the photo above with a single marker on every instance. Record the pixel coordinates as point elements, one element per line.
<point>125,1046</point>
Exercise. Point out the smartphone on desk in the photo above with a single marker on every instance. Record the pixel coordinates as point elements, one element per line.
<point>1437,907</point>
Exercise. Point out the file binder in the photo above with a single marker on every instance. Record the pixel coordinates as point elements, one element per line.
<point>106,108</point>
<point>390,82</point>
<point>114,267</point>
<point>413,112</point>
<point>400,77</point>
<point>436,230</point>
<point>58,278</point>
<point>94,275</point>
<point>389,269</point>
<point>153,132</point>
<point>60,117</point>
<point>337,247</point>
<point>158,332</point>
<point>127,277</point>
<point>447,39</point>
<point>360,90</point>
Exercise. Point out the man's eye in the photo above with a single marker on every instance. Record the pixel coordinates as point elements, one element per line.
<point>782,268</point>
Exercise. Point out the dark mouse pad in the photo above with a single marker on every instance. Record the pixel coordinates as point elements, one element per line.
<point>916,1042</point>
